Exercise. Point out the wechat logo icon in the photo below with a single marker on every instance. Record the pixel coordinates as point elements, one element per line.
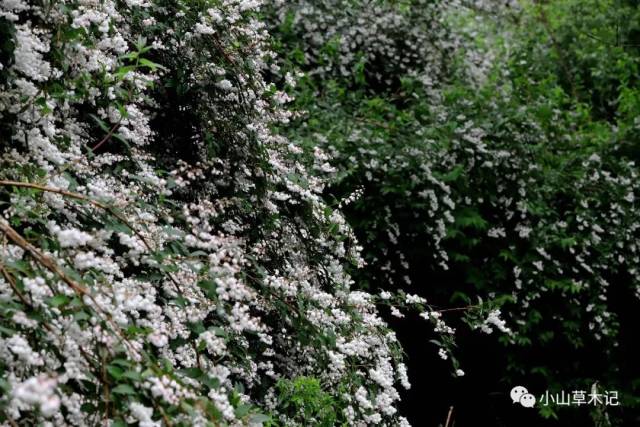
<point>522,396</point>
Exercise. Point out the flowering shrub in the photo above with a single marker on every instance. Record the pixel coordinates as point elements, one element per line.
<point>166,258</point>
<point>364,41</point>
<point>206,206</point>
<point>390,171</point>
<point>510,176</point>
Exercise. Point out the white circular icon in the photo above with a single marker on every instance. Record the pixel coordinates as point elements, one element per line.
<point>517,392</point>
<point>522,396</point>
<point>528,400</point>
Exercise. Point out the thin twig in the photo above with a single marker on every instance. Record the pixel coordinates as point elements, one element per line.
<point>73,195</point>
<point>12,284</point>
<point>40,257</point>
<point>107,137</point>
<point>10,420</point>
<point>449,416</point>
<point>468,307</point>
<point>14,287</point>
<point>95,203</point>
<point>107,392</point>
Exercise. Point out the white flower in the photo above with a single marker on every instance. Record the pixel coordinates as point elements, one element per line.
<point>396,313</point>
<point>28,54</point>
<point>225,85</point>
<point>143,415</point>
<point>19,346</point>
<point>38,392</point>
<point>493,319</point>
<point>443,354</point>
<point>71,237</point>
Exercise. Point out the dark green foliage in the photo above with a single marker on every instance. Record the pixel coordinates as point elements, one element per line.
<point>516,183</point>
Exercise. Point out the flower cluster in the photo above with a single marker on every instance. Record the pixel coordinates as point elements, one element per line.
<point>373,41</point>
<point>166,258</point>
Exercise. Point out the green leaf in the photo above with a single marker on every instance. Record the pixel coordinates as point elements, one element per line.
<point>134,375</point>
<point>149,64</point>
<point>242,410</point>
<point>194,373</point>
<point>115,371</point>
<point>211,382</point>
<point>124,389</point>
<point>259,419</point>
<point>59,300</point>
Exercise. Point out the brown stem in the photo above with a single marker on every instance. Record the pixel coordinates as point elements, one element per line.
<point>76,196</point>
<point>12,283</point>
<point>40,257</point>
<point>23,299</point>
<point>95,203</point>
<point>10,420</point>
<point>7,183</point>
<point>107,137</point>
<point>107,393</point>
<point>449,416</point>
<point>467,307</point>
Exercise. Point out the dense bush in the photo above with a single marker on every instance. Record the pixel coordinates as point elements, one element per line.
<point>212,208</point>
<point>166,258</point>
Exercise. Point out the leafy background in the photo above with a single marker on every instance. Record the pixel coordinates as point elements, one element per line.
<point>488,180</point>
